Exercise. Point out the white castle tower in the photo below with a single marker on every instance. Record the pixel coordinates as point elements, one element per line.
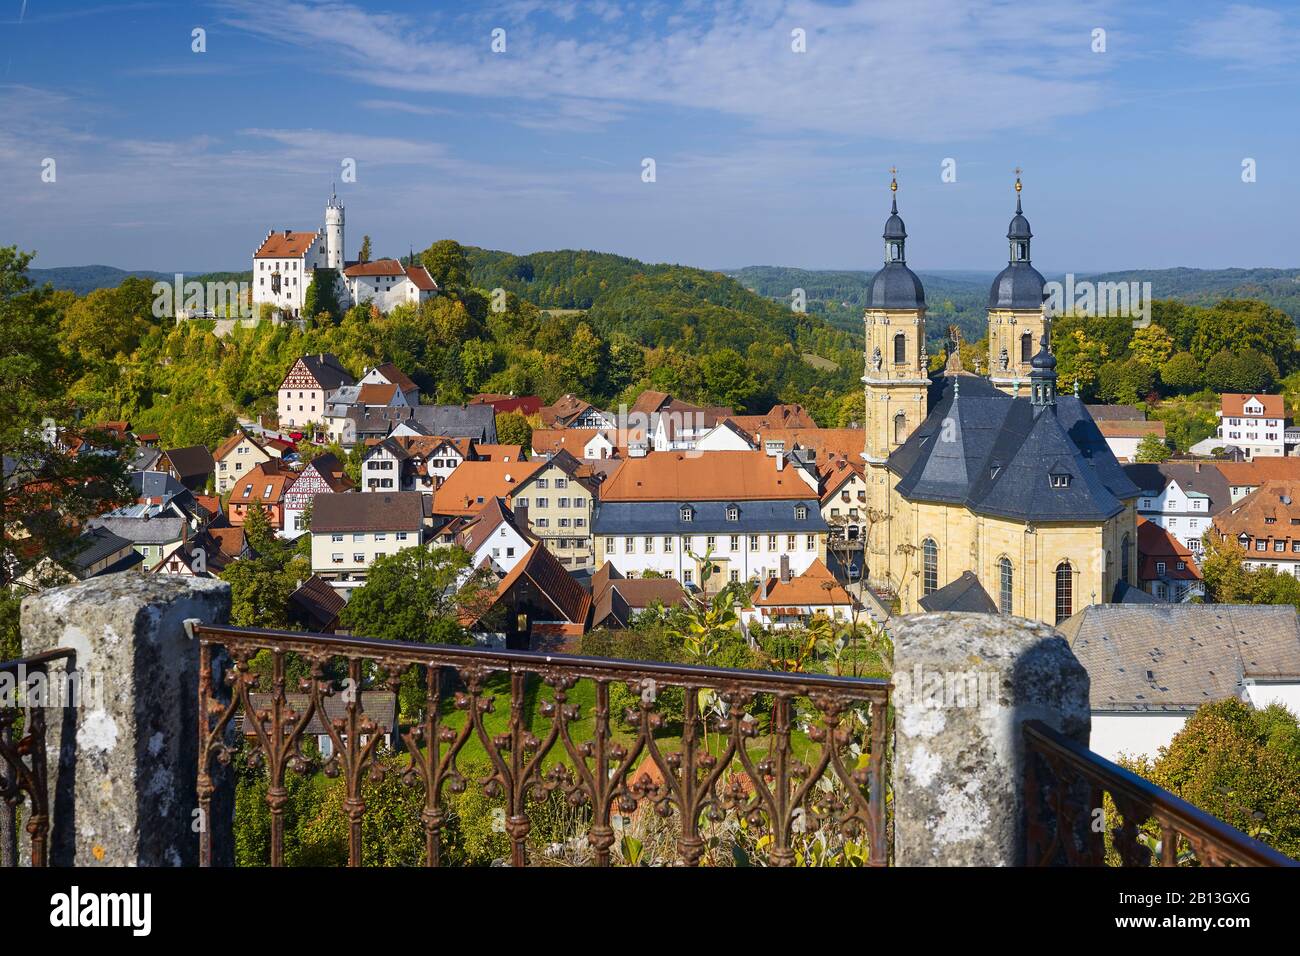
<point>334,233</point>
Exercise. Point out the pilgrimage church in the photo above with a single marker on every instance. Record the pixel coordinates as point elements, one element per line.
<point>986,494</point>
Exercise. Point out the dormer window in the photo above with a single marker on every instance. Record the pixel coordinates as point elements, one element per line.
<point>733,513</point>
<point>1060,481</point>
<point>800,512</point>
<point>687,513</point>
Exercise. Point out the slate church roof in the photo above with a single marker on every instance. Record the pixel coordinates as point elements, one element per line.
<point>994,454</point>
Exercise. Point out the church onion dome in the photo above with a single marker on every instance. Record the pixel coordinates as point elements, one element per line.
<point>1019,285</point>
<point>895,286</point>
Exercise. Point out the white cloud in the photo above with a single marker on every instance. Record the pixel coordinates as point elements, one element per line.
<point>1246,37</point>
<point>949,69</point>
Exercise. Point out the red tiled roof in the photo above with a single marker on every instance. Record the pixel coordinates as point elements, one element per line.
<point>1127,428</point>
<point>815,587</point>
<point>712,476</point>
<point>285,245</point>
<point>380,267</point>
<point>469,487</point>
<point>569,598</point>
<point>420,276</point>
<point>1274,405</point>
<point>376,394</point>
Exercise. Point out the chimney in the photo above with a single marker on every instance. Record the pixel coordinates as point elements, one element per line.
<point>1198,467</point>
<point>767,586</point>
<point>785,569</point>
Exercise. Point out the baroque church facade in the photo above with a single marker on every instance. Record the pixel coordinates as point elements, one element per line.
<point>991,494</point>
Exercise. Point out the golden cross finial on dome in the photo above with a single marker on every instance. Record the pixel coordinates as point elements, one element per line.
<point>893,183</point>
<point>1018,172</point>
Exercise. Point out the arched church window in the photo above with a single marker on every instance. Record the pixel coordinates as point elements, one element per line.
<point>900,427</point>
<point>1064,591</point>
<point>900,349</point>
<point>1123,560</point>
<point>930,558</point>
<point>1027,347</point>
<point>1005,581</point>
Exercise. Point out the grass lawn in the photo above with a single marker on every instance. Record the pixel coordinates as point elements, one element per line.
<point>583,696</point>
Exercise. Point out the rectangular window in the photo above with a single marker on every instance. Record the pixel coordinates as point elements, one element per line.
<point>668,545</point>
<point>753,542</point>
<point>649,545</point>
<point>543,502</point>
<point>810,542</point>
<point>336,537</point>
<point>790,544</point>
<point>710,542</point>
<point>629,545</point>
<point>688,575</point>
<point>401,536</point>
<point>735,543</point>
<point>771,542</point>
<point>358,558</point>
<point>609,545</point>
<point>381,536</point>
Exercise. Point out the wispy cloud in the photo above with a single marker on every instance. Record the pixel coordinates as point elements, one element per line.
<point>1246,37</point>
<point>949,69</point>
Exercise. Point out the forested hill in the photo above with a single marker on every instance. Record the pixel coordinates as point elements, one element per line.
<point>961,297</point>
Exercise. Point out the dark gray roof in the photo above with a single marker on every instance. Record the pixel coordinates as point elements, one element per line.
<point>1018,286</point>
<point>1117,413</point>
<point>156,484</point>
<point>161,529</point>
<point>1202,477</point>
<point>964,594</point>
<point>193,461</point>
<point>144,458</point>
<point>896,287</point>
<point>453,421</point>
<point>1175,657</point>
<point>710,517</point>
<point>369,511</point>
<point>990,452</point>
<point>326,368</point>
<point>94,544</point>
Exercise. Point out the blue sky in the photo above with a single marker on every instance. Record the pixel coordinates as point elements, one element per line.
<point>170,159</point>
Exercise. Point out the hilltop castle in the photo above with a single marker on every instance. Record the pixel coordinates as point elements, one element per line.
<point>285,264</point>
<point>982,498</point>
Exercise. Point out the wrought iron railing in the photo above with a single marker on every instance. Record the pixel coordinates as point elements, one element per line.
<point>1066,815</point>
<point>791,756</point>
<point>23,775</point>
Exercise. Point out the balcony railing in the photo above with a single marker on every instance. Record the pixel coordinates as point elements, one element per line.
<point>23,775</point>
<point>1065,785</point>
<point>786,756</point>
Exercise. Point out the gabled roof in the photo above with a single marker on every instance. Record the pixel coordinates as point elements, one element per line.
<point>467,489</point>
<point>93,545</point>
<point>615,599</point>
<point>964,594</point>
<point>419,275</point>
<point>1233,405</point>
<point>563,410</point>
<point>1194,478</point>
<point>547,441</point>
<point>1271,511</point>
<point>484,524</point>
<point>326,369</point>
<point>285,244</point>
<point>1155,544</point>
<point>995,454</point>
<point>1175,657</point>
<point>330,470</point>
<point>396,376</point>
<point>711,476</point>
<point>838,475</point>
<point>1248,473</point>
<point>816,586</point>
<point>265,484</point>
<point>539,567</point>
<point>234,441</point>
<point>826,444</point>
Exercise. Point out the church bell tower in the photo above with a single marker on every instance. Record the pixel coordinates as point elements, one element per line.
<point>1016,319</point>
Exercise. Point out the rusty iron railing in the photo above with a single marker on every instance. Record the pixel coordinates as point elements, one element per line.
<point>834,786</point>
<point>1064,787</point>
<point>23,773</point>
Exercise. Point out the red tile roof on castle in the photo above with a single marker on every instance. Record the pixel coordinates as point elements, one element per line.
<point>285,245</point>
<point>380,267</point>
<point>420,276</point>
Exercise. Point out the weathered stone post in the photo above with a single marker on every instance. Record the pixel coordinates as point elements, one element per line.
<point>964,686</point>
<point>123,762</point>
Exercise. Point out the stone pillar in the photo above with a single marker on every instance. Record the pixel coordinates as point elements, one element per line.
<point>122,762</point>
<point>964,684</point>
